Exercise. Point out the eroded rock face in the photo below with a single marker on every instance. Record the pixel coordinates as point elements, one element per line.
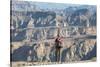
<point>29,27</point>
<point>22,22</point>
<point>77,51</point>
<point>81,50</point>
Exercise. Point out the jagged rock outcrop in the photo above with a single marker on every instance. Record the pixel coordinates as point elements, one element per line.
<point>28,27</point>
<point>77,51</point>
<point>81,50</point>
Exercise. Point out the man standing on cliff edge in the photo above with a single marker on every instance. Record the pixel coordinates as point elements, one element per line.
<point>58,42</point>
